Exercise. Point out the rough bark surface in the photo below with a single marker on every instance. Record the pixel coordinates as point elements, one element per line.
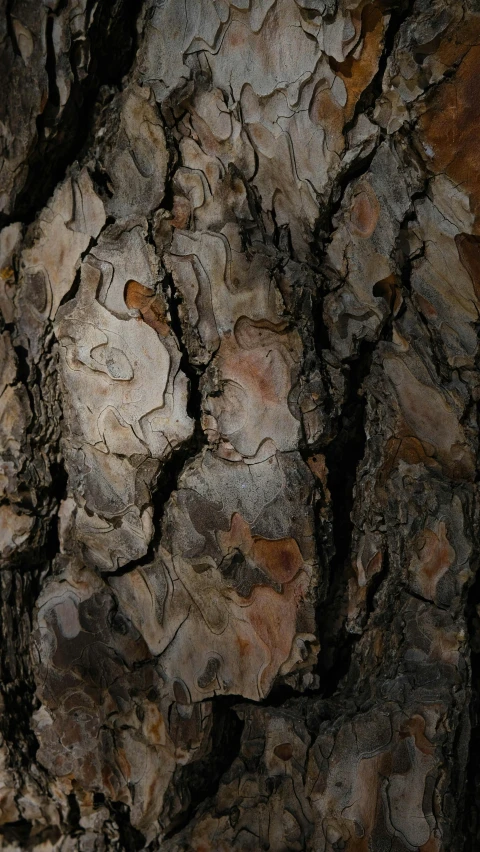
<point>239,301</point>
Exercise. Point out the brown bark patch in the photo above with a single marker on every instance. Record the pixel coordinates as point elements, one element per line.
<point>468,247</point>
<point>364,212</point>
<point>143,299</point>
<point>433,557</point>
<point>449,128</point>
<point>357,72</point>
<point>415,727</point>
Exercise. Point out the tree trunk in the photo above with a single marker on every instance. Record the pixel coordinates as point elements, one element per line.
<point>240,284</point>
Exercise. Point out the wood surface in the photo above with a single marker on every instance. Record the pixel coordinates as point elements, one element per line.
<point>239,515</point>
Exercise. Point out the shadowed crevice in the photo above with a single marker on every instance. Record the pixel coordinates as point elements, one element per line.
<point>112,43</point>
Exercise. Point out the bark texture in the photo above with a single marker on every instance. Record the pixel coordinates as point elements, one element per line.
<point>239,293</point>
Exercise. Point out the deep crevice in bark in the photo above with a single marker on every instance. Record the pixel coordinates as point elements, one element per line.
<point>10,29</point>
<point>112,42</point>
<point>164,485</point>
<point>19,589</point>
<point>193,374</point>
<point>324,227</point>
<point>471,821</point>
<point>130,837</point>
<point>400,12</point>
<point>200,780</point>
<point>342,455</point>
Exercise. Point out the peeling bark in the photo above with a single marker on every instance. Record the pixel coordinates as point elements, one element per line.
<point>239,295</point>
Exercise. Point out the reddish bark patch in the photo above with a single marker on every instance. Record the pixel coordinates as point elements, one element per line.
<point>141,298</point>
<point>433,557</point>
<point>415,727</point>
<point>281,559</point>
<point>468,247</point>
<point>358,72</point>
<point>364,212</point>
<point>181,212</point>
<point>449,129</point>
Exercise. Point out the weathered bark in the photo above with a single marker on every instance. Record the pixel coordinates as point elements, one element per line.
<point>239,294</point>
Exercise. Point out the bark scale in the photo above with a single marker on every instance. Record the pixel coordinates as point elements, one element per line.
<point>239,294</point>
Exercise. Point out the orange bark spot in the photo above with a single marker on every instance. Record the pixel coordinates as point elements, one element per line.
<point>281,559</point>
<point>434,556</point>
<point>364,212</point>
<point>318,467</point>
<point>358,73</point>
<point>323,110</point>
<point>181,212</point>
<point>141,298</point>
<point>244,646</point>
<point>451,48</point>
<point>408,449</point>
<point>357,844</point>
<point>155,726</point>
<point>449,127</point>
<point>426,307</point>
<point>6,273</point>
<point>415,727</point>
<point>271,614</point>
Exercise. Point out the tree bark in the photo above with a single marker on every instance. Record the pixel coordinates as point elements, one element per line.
<point>239,299</point>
